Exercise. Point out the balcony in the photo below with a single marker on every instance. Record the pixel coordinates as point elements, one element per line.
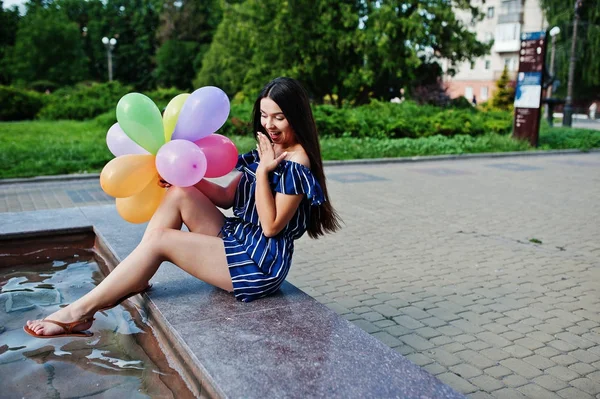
<point>507,38</point>
<point>506,46</point>
<point>515,17</point>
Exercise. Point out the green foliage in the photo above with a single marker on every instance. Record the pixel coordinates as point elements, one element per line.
<point>460,103</point>
<point>191,20</point>
<point>47,47</point>
<point>354,50</point>
<point>9,20</point>
<point>562,138</point>
<point>504,96</point>
<point>365,148</point>
<point>388,120</point>
<point>174,61</point>
<point>83,101</point>
<point>42,85</point>
<point>50,148</point>
<point>19,104</point>
<point>162,96</point>
<point>586,84</point>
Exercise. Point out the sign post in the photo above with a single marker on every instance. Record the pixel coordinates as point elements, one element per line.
<point>528,93</point>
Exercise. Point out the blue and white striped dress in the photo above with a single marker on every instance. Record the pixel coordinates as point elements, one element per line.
<point>258,265</point>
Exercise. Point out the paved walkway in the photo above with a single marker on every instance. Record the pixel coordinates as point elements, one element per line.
<point>486,272</point>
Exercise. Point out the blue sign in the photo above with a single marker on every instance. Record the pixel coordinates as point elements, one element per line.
<point>533,35</point>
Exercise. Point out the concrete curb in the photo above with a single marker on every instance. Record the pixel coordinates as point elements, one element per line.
<point>370,161</point>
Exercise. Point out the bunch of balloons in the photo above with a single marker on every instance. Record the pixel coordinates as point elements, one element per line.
<point>178,146</point>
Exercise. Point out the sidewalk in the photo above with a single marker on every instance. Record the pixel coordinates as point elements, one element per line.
<point>486,272</point>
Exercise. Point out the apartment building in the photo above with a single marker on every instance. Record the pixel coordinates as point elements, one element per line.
<point>504,22</point>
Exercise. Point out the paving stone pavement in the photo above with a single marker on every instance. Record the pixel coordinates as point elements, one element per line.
<point>485,272</point>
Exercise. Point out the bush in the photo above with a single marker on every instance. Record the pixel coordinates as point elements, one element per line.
<point>42,85</point>
<point>461,103</point>
<point>387,120</point>
<point>106,120</point>
<point>18,105</point>
<point>83,101</point>
<point>162,96</point>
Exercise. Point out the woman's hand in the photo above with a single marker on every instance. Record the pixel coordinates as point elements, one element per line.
<point>268,161</point>
<point>163,183</point>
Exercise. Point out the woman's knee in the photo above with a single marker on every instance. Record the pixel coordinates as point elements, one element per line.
<point>179,194</point>
<point>154,239</point>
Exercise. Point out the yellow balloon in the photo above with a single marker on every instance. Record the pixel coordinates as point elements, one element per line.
<point>127,175</point>
<point>139,208</point>
<point>171,114</point>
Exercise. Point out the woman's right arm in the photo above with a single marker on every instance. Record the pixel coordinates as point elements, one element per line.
<point>219,195</point>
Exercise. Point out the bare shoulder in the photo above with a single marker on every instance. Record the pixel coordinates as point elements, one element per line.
<point>298,155</point>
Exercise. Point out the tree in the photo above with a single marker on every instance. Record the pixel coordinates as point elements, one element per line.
<point>47,47</point>
<point>355,49</point>
<point>587,68</point>
<point>174,60</point>
<point>9,20</point>
<point>186,31</point>
<point>400,36</point>
<point>504,96</point>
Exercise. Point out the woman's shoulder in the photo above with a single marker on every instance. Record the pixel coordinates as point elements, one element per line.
<point>298,155</point>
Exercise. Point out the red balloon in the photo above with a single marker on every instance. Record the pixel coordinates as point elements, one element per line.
<point>221,154</point>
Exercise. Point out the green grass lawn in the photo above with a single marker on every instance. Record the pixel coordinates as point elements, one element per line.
<point>35,148</point>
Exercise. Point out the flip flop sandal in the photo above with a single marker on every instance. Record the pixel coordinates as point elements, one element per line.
<point>68,327</point>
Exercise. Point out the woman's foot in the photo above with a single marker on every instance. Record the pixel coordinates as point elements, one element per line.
<point>65,322</point>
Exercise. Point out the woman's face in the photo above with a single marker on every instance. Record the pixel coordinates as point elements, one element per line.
<point>275,123</point>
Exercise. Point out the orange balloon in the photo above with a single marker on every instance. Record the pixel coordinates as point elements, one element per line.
<point>127,175</point>
<point>139,208</point>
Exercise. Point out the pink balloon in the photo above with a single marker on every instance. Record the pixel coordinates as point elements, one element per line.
<point>221,154</point>
<point>120,144</point>
<point>181,163</point>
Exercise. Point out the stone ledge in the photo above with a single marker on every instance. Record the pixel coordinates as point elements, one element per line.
<point>284,345</point>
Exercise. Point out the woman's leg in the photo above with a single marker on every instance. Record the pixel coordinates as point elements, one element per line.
<point>199,253</point>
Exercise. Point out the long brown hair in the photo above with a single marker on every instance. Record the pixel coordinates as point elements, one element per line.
<point>293,101</point>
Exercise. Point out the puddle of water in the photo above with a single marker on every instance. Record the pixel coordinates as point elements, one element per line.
<point>122,358</point>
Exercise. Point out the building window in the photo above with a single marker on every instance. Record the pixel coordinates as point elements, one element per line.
<point>510,63</point>
<point>468,92</point>
<point>472,65</point>
<point>484,93</point>
<point>487,64</point>
<point>490,12</point>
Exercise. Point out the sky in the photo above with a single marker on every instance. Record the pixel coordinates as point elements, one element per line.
<point>10,3</point>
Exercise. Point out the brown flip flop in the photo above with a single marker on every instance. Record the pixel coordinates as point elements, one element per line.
<point>68,327</point>
<point>124,298</point>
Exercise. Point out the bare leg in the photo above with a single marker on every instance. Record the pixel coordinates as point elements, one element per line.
<point>199,253</point>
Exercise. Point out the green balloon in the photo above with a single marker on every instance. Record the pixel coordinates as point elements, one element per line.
<point>141,121</point>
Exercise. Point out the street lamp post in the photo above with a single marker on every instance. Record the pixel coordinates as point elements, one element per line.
<point>110,45</point>
<point>553,33</point>
<point>568,111</point>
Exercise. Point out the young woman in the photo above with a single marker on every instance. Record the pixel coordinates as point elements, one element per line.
<point>278,196</point>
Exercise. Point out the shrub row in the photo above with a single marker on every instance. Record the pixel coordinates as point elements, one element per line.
<point>83,101</point>
<point>388,120</point>
<point>18,105</point>
<point>376,120</point>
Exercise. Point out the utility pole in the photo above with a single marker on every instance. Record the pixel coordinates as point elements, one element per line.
<point>568,111</point>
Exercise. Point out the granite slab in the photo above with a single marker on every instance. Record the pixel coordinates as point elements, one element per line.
<point>286,345</point>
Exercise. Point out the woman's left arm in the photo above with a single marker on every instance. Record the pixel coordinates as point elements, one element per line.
<point>274,212</point>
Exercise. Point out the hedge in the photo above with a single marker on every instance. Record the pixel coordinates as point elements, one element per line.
<point>18,104</point>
